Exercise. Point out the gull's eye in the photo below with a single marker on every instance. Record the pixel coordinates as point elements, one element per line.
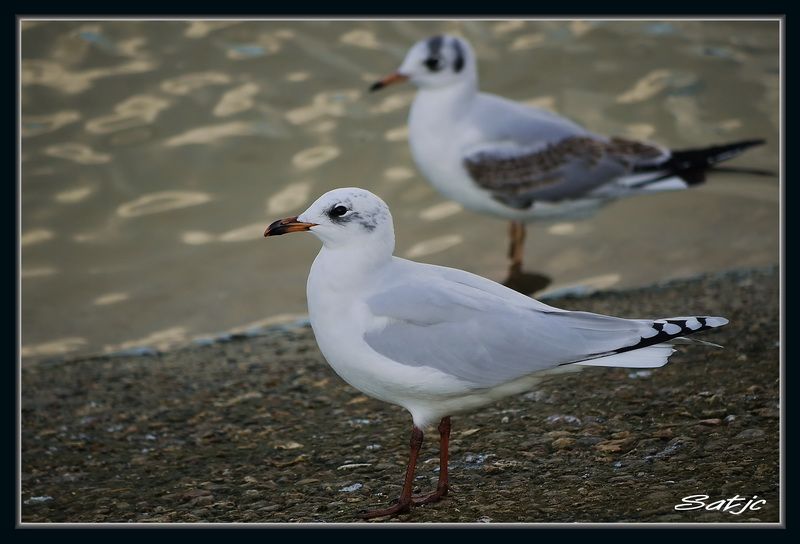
<point>434,64</point>
<point>338,211</point>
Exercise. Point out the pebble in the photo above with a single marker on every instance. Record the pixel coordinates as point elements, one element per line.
<point>564,443</point>
<point>563,420</point>
<point>750,434</point>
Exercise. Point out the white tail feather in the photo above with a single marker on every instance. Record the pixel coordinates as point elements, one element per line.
<point>649,357</point>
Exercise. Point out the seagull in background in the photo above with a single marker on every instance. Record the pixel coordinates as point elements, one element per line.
<point>517,162</point>
<point>440,341</point>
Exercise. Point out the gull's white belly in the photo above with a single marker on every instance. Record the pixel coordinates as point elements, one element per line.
<point>339,321</point>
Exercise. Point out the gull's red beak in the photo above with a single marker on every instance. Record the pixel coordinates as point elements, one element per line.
<point>285,226</point>
<point>388,80</point>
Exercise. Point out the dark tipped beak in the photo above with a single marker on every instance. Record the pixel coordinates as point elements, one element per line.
<point>388,80</point>
<point>285,226</point>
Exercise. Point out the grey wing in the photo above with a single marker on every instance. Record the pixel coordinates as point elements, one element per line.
<point>564,169</point>
<point>482,338</point>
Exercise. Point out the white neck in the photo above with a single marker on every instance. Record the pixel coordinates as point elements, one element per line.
<point>350,267</point>
<point>444,102</point>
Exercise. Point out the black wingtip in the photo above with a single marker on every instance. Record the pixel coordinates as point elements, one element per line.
<point>378,85</point>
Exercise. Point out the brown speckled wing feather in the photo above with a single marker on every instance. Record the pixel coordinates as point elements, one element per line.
<point>565,169</point>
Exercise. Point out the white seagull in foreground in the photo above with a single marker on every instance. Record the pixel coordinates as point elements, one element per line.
<point>517,162</point>
<point>439,341</point>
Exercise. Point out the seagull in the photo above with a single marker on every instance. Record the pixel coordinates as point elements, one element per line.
<point>440,341</point>
<point>521,163</point>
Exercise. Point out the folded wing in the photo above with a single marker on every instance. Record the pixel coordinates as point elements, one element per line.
<point>483,337</point>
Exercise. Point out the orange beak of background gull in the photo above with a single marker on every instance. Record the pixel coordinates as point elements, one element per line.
<point>285,226</point>
<point>388,80</point>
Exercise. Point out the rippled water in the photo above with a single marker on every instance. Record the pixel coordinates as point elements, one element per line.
<point>155,153</point>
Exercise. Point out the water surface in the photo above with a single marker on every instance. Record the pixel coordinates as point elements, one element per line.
<point>155,153</point>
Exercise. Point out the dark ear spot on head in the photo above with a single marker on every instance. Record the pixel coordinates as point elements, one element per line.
<point>434,45</point>
<point>459,62</point>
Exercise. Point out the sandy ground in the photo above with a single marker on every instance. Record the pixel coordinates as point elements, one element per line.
<point>260,429</point>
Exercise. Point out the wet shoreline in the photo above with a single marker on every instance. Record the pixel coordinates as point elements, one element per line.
<point>259,429</point>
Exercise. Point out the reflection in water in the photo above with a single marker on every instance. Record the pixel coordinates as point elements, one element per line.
<point>526,41</point>
<point>398,173</point>
<point>35,236</point>
<point>440,211</point>
<point>201,29</point>
<point>290,198</point>
<point>253,231</point>
<point>80,153</point>
<point>135,111</point>
<point>212,133</point>
<point>236,100</point>
<point>161,202</point>
<point>187,83</point>
<point>361,38</point>
<point>296,77</point>
<point>26,273</point>
<point>159,340</point>
<point>332,103</point>
<point>506,27</point>
<point>393,102</point>
<point>73,196</point>
<point>207,130</point>
<point>649,86</point>
<point>561,229</point>
<point>639,131</point>
<point>399,134</point>
<point>314,157</point>
<point>110,298</point>
<point>51,74</point>
<point>54,347</point>
<point>544,102</point>
<point>434,245</point>
<point>197,237</point>
<point>34,125</point>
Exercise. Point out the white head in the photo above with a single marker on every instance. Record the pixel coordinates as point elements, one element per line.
<point>344,218</point>
<point>436,62</point>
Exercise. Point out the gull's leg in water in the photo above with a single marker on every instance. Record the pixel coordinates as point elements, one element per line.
<point>404,504</point>
<point>517,248</point>
<point>526,283</point>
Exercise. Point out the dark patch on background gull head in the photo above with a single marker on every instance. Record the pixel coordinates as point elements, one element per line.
<point>458,64</point>
<point>435,45</point>
<point>434,61</point>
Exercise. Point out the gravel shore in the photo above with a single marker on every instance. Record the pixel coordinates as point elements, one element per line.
<point>260,429</point>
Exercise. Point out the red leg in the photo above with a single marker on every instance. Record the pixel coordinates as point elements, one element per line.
<point>444,453</point>
<point>404,504</point>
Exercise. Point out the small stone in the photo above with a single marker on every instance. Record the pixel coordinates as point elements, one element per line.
<point>290,445</point>
<point>39,500</point>
<point>750,434</point>
<point>193,494</point>
<point>563,420</point>
<point>564,443</point>
<point>664,433</point>
<point>710,422</point>
<point>615,446</point>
